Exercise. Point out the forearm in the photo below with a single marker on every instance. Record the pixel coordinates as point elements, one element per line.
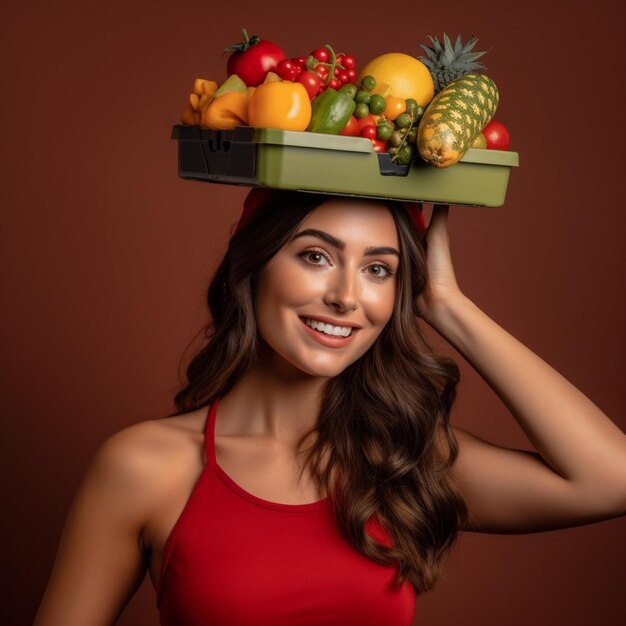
<point>573,436</point>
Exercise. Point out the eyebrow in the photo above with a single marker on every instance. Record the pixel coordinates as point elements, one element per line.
<point>337,243</point>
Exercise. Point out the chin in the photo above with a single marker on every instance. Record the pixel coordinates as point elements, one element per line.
<point>323,364</point>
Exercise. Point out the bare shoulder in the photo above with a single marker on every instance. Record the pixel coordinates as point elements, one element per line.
<point>148,456</point>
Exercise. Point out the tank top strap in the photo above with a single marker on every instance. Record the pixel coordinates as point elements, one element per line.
<point>209,434</point>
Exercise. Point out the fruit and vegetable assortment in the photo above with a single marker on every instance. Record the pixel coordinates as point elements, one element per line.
<point>437,105</point>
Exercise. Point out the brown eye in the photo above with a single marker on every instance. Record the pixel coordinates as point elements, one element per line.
<point>380,271</point>
<point>315,257</point>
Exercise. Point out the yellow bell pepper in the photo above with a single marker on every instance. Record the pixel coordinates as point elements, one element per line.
<point>226,111</point>
<point>280,104</point>
<point>203,86</point>
<point>201,97</point>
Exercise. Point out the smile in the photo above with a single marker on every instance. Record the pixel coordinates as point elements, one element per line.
<point>329,329</point>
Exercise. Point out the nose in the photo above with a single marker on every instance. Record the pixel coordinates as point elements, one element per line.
<point>343,291</point>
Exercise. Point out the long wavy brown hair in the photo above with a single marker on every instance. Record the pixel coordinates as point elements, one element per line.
<point>384,447</point>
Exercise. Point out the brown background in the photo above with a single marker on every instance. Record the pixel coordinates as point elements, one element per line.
<point>106,254</point>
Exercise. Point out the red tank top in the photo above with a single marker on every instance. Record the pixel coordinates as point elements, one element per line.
<point>233,559</point>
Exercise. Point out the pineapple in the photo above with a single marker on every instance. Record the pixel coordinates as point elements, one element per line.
<point>454,119</point>
<point>447,63</point>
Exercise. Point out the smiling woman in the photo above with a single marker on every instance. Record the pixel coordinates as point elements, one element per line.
<point>330,483</point>
<point>342,288</point>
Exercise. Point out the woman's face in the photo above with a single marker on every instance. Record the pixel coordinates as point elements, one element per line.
<point>326,296</point>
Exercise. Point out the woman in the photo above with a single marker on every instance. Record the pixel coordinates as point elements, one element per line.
<point>329,484</point>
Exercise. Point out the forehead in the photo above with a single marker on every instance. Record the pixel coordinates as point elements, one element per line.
<point>354,220</point>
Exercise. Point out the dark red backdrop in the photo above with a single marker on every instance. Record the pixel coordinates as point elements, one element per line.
<point>106,253</point>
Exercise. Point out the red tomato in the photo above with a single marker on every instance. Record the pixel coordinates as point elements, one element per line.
<point>380,146</point>
<point>321,54</point>
<point>300,61</point>
<point>253,59</point>
<point>312,82</point>
<point>497,136</point>
<point>368,120</point>
<point>351,73</point>
<point>351,128</point>
<point>369,132</point>
<point>333,83</point>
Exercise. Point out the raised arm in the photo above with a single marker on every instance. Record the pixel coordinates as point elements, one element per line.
<point>100,561</point>
<point>577,475</point>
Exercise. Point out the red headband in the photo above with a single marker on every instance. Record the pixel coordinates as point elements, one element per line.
<point>261,196</point>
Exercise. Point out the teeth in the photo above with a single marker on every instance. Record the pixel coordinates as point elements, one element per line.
<point>329,329</point>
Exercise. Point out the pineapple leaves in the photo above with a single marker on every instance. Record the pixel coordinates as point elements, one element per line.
<point>448,62</point>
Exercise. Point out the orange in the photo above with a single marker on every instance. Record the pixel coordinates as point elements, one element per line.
<point>404,75</point>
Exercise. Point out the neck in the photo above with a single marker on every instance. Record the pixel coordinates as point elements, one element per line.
<point>275,401</point>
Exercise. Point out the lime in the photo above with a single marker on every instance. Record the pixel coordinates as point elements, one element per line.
<point>403,121</point>
<point>368,83</point>
<point>362,110</point>
<point>383,132</point>
<point>362,97</point>
<point>377,104</point>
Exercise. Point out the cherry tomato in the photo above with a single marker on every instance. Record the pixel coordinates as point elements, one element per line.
<point>286,69</point>
<point>343,77</point>
<point>369,132</point>
<point>351,128</point>
<point>352,74</point>
<point>497,136</point>
<point>339,58</point>
<point>349,62</point>
<point>253,59</point>
<point>300,61</point>
<point>321,54</point>
<point>395,107</point>
<point>322,71</point>
<point>380,146</point>
<point>336,71</point>
<point>333,83</point>
<point>312,82</point>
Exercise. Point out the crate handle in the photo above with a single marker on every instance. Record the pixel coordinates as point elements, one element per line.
<point>217,143</point>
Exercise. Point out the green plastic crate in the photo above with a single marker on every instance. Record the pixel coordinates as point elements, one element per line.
<point>303,161</point>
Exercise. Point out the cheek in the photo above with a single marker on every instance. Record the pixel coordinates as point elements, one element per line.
<point>379,301</point>
<point>283,283</point>
<point>282,289</point>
